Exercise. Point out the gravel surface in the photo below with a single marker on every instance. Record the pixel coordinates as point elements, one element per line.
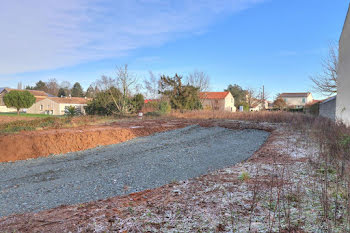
<point>132,166</point>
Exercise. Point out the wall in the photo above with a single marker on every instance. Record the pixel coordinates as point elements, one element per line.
<point>298,101</point>
<point>343,92</point>
<point>230,103</point>
<point>47,105</point>
<point>227,104</point>
<point>213,104</point>
<point>327,109</point>
<point>62,108</point>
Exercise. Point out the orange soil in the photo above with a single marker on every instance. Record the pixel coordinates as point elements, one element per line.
<point>35,144</point>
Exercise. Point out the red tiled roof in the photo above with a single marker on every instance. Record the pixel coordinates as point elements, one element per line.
<point>34,92</point>
<point>213,95</point>
<point>39,98</point>
<point>303,94</point>
<point>70,100</point>
<point>151,100</point>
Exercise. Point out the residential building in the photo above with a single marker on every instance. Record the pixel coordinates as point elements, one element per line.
<point>58,105</point>
<point>343,79</point>
<point>39,95</point>
<point>297,100</point>
<point>218,101</point>
<point>258,105</point>
<point>327,108</point>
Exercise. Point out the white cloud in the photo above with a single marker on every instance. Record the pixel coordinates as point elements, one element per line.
<point>48,34</point>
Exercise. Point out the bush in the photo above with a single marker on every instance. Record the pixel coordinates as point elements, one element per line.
<point>71,111</point>
<point>164,107</point>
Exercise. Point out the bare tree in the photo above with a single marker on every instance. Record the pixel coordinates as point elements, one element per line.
<point>262,97</point>
<point>152,85</point>
<point>67,87</point>
<point>326,82</point>
<point>251,97</point>
<point>199,79</point>
<point>120,88</point>
<point>52,87</point>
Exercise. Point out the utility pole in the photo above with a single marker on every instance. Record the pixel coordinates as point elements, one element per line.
<point>263,97</point>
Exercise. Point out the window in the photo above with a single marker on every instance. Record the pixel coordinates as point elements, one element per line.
<point>41,107</point>
<point>304,100</point>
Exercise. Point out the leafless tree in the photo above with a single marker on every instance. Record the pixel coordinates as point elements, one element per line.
<point>199,79</point>
<point>326,82</point>
<point>152,86</point>
<point>67,87</point>
<point>105,83</point>
<point>124,82</point>
<point>52,86</point>
<point>251,97</point>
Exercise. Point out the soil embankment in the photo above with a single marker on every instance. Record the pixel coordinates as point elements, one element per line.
<point>36,144</point>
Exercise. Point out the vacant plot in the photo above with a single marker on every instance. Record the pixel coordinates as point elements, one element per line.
<point>136,165</point>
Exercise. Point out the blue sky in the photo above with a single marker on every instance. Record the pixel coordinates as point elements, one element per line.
<point>276,43</point>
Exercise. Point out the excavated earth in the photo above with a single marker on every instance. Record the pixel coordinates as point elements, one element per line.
<point>34,144</point>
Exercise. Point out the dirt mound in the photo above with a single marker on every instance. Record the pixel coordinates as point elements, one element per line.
<point>43,143</point>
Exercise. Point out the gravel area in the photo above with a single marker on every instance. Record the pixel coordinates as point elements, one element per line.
<point>132,166</point>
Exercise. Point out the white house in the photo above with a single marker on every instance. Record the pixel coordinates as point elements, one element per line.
<point>58,105</point>
<point>343,79</point>
<point>297,100</point>
<point>219,101</point>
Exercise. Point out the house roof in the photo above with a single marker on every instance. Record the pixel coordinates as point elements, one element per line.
<point>70,100</point>
<point>213,95</point>
<point>39,98</point>
<point>329,99</point>
<point>151,100</point>
<point>302,94</point>
<point>34,92</point>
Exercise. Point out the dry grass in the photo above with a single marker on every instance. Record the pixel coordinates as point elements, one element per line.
<point>265,116</point>
<point>53,123</point>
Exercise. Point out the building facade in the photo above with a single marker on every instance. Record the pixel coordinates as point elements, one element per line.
<point>58,105</point>
<point>327,108</point>
<point>297,100</point>
<point>343,79</point>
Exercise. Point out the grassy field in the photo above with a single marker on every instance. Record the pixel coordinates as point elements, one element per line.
<point>14,114</point>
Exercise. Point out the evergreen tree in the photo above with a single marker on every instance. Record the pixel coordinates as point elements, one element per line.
<point>61,92</point>
<point>77,90</point>
<point>40,86</point>
<point>180,96</point>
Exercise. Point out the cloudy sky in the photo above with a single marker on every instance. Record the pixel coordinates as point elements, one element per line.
<point>276,43</point>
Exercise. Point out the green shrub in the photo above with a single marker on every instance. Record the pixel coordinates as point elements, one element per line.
<point>244,176</point>
<point>164,107</point>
